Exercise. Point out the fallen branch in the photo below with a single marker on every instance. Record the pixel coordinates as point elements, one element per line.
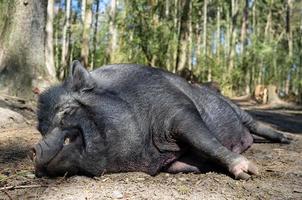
<point>7,194</point>
<point>20,187</point>
<point>22,173</point>
<point>14,98</point>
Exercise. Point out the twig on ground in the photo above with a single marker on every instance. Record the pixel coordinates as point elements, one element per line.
<point>22,173</point>
<point>62,179</point>
<point>13,97</point>
<point>7,194</point>
<point>13,187</point>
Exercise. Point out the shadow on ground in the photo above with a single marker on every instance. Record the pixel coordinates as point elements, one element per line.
<point>281,119</point>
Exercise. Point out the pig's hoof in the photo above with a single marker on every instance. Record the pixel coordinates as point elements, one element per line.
<point>286,139</point>
<point>243,169</point>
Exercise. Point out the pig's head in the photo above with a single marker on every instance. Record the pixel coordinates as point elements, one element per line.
<point>66,122</point>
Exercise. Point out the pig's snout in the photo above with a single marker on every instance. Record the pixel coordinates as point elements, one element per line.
<point>35,155</point>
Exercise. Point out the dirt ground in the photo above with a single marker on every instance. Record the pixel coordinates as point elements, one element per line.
<point>280,171</point>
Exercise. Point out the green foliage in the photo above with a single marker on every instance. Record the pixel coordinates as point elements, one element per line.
<point>148,32</point>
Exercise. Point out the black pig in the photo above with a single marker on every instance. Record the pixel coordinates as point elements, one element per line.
<point>126,117</point>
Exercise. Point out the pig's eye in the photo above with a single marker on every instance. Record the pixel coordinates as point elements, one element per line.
<point>67,141</point>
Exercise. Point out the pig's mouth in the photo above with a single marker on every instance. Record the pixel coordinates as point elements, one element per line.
<point>51,154</point>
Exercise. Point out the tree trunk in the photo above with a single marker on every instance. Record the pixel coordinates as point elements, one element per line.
<point>233,36</point>
<point>95,31</point>
<point>176,34</point>
<point>183,36</point>
<point>83,10</point>
<point>190,41</point>
<point>65,42</point>
<point>204,40</point>
<point>272,95</point>
<point>218,35</point>
<point>85,35</point>
<point>244,27</point>
<point>57,50</point>
<point>167,7</point>
<point>198,45</point>
<point>49,55</point>
<point>243,45</point>
<point>254,31</point>
<point>22,47</point>
<point>111,51</point>
<point>267,38</point>
<point>290,43</point>
<point>227,43</point>
<point>300,65</point>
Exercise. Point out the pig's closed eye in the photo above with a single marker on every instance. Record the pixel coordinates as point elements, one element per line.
<point>71,137</point>
<point>67,141</point>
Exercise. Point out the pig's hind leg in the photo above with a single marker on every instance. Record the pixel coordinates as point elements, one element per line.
<point>255,127</point>
<point>190,129</point>
<point>260,129</point>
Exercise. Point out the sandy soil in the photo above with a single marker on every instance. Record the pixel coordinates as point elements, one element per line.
<point>280,177</point>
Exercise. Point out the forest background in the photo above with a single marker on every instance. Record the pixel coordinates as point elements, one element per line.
<point>239,44</point>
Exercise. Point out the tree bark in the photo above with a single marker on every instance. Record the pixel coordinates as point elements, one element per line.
<point>65,40</point>
<point>290,44</point>
<point>267,38</point>
<point>300,65</point>
<point>83,10</point>
<point>190,40</point>
<point>204,40</point>
<point>254,32</point>
<point>95,31</point>
<point>111,51</point>
<point>49,55</point>
<point>86,33</point>
<point>22,48</point>
<point>183,36</point>
<point>198,45</point>
<point>243,44</point>
<point>176,34</point>
<point>233,36</point>
<point>218,34</point>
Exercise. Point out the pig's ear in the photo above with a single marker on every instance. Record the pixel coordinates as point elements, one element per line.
<point>80,78</point>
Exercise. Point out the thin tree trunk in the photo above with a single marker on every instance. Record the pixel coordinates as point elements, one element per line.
<point>255,31</point>
<point>94,43</point>
<point>204,37</point>
<point>190,41</point>
<point>57,55</point>
<point>83,10</point>
<point>290,44</point>
<point>112,47</point>
<point>65,42</point>
<point>183,36</point>
<point>176,35</point>
<point>233,36</point>
<point>86,33</point>
<point>49,55</point>
<point>204,40</point>
<point>198,45</point>
<point>267,38</point>
<point>155,25</point>
<point>300,65</point>
<point>244,27</point>
<point>243,45</point>
<point>218,34</point>
<point>167,7</point>
<point>227,44</point>
<point>268,25</point>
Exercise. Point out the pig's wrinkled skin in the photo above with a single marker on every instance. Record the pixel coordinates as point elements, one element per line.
<point>126,117</point>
